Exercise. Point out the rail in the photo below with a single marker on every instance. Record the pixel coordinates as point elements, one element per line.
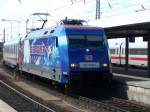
<point>36,104</point>
<point>115,105</point>
<point>101,105</point>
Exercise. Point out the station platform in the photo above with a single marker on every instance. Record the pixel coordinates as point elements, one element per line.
<point>4,107</point>
<point>136,88</point>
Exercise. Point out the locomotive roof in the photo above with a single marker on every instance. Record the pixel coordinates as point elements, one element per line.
<point>50,31</point>
<point>82,27</point>
<point>41,32</point>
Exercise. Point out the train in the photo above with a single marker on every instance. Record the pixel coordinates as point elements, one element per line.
<point>1,51</point>
<point>138,52</point>
<point>67,53</point>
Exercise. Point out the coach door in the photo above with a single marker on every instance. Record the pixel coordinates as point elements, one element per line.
<point>122,56</point>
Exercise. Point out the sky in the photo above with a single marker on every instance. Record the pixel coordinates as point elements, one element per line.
<point>19,12</point>
<point>23,9</point>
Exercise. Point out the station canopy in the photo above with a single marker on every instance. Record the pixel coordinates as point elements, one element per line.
<point>122,19</point>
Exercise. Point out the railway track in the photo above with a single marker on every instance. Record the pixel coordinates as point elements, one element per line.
<point>129,105</point>
<point>101,105</point>
<point>20,101</point>
<point>115,105</point>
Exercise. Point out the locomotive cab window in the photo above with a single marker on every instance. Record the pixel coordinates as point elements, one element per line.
<point>85,41</point>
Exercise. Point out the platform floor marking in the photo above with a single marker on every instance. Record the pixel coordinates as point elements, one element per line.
<point>4,107</point>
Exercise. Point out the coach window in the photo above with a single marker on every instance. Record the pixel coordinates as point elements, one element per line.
<point>112,51</point>
<point>138,51</point>
<point>122,50</point>
<point>145,51</point>
<point>10,49</point>
<point>131,52</point>
<point>1,50</point>
<point>142,51</point>
<point>117,51</point>
<point>7,49</point>
<point>15,50</point>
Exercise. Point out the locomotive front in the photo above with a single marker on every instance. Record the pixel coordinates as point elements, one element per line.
<point>88,54</point>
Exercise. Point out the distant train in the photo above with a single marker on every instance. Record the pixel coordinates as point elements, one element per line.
<point>64,54</point>
<point>137,52</point>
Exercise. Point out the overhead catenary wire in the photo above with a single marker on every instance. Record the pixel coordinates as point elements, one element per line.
<point>3,2</point>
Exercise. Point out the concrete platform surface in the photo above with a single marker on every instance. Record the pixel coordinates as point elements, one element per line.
<point>37,92</point>
<point>136,88</point>
<point>142,84</point>
<point>4,107</point>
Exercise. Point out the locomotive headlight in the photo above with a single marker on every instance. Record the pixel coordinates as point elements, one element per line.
<point>73,65</point>
<point>104,65</point>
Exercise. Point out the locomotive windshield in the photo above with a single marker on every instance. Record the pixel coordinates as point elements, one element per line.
<point>85,41</point>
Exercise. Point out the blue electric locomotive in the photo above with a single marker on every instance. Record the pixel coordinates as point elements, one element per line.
<point>66,53</point>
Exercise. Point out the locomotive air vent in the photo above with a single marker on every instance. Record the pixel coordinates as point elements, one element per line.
<point>72,22</point>
<point>45,32</point>
<point>52,31</point>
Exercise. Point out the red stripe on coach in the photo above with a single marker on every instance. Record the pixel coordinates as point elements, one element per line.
<point>130,58</point>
